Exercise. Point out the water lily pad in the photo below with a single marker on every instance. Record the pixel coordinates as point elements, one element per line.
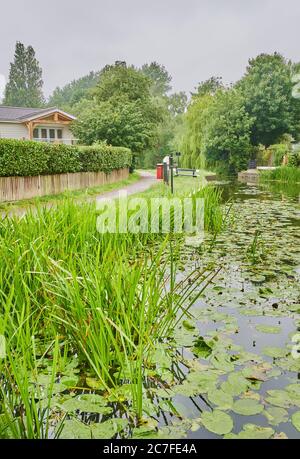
<point>217,422</point>
<point>279,398</point>
<point>220,398</point>
<point>251,432</point>
<point>74,429</point>
<point>236,384</point>
<point>296,420</point>
<point>201,348</point>
<point>275,352</point>
<point>87,403</point>
<point>268,329</point>
<point>247,407</point>
<point>276,415</point>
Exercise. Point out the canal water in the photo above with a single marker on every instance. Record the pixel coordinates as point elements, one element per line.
<point>238,355</point>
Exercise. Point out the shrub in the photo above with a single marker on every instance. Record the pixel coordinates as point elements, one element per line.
<point>275,153</point>
<point>294,158</point>
<point>28,158</point>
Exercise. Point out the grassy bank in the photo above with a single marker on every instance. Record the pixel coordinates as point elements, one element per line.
<point>281,174</point>
<point>76,194</point>
<point>83,315</point>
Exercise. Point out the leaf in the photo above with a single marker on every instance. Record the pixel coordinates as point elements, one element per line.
<point>87,403</point>
<point>251,432</point>
<point>268,329</point>
<point>247,407</point>
<point>94,383</point>
<point>222,362</point>
<point>217,422</point>
<point>188,325</point>
<point>296,420</point>
<point>220,398</point>
<point>276,415</point>
<point>276,352</point>
<point>201,348</point>
<point>236,384</point>
<point>279,398</point>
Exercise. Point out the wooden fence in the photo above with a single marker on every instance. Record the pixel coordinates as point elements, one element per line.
<point>17,188</point>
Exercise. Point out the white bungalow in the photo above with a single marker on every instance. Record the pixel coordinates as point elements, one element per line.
<point>40,124</point>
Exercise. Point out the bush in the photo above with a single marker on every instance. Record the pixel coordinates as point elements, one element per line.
<point>28,158</point>
<point>294,158</point>
<point>274,154</point>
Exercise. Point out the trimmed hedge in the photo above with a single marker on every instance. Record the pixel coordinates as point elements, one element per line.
<point>29,158</point>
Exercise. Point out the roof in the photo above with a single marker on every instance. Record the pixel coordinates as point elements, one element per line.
<point>21,114</point>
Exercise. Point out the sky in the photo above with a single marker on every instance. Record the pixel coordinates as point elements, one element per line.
<point>194,39</point>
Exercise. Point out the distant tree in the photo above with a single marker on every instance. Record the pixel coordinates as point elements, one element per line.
<point>208,87</point>
<point>267,90</point>
<point>24,87</point>
<point>177,103</point>
<point>120,80</point>
<point>72,93</point>
<point>226,140</point>
<point>122,111</point>
<point>160,78</point>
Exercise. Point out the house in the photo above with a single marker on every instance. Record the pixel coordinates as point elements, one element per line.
<point>40,124</point>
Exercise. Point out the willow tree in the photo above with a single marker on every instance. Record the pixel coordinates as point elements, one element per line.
<point>192,139</point>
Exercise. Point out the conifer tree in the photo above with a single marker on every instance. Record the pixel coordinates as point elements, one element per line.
<point>24,87</point>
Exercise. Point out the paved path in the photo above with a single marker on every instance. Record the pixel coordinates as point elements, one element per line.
<point>146,181</point>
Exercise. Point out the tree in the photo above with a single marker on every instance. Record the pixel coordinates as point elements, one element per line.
<point>120,80</point>
<point>119,125</point>
<point>122,111</point>
<point>190,135</point>
<point>72,93</point>
<point>24,87</point>
<point>209,86</point>
<point>226,138</point>
<point>267,90</point>
<point>177,103</point>
<point>160,78</point>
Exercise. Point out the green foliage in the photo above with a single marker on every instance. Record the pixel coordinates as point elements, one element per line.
<point>277,152</point>
<point>119,125</point>
<point>209,87</point>
<point>217,131</point>
<point>160,78</point>
<point>267,89</point>
<point>282,174</point>
<point>294,158</point>
<point>122,81</point>
<point>27,158</point>
<point>24,87</point>
<point>177,103</point>
<point>122,111</point>
<point>71,94</point>
<point>227,137</point>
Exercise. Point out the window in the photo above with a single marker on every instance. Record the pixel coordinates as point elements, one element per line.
<point>48,134</point>
<point>52,135</point>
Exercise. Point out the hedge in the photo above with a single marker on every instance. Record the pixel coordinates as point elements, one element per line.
<point>28,158</point>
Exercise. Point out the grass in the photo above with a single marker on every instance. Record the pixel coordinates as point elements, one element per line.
<point>284,174</point>
<point>76,194</point>
<point>104,301</point>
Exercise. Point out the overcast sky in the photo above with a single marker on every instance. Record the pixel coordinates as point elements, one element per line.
<point>194,39</point>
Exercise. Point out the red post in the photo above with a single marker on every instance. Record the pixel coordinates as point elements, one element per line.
<point>159,171</point>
